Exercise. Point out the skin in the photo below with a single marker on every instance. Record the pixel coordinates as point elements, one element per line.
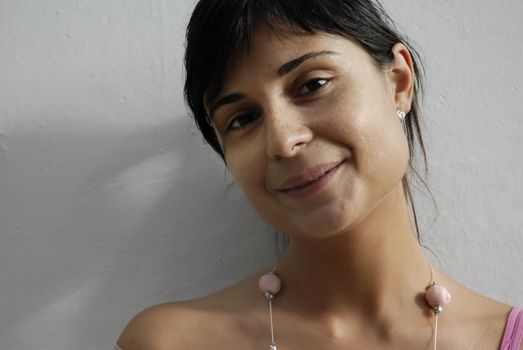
<point>354,274</point>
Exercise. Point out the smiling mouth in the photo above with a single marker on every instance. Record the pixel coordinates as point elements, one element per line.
<point>304,185</point>
<point>307,183</point>
<point>312,181</point>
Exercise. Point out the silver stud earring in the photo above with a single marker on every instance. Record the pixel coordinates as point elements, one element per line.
<point>401,114</point>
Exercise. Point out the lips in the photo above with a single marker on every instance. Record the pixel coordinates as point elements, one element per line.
<point>308,176</point>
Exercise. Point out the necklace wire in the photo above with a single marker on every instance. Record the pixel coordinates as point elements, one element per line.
<point>272,346</point>
<point>272,327</point>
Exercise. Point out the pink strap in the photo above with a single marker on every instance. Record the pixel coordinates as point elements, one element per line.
<point>513,330</point>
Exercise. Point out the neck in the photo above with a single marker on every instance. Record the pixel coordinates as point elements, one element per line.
<point>373,271</point>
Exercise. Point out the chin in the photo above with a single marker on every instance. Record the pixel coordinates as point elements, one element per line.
<point>323,225</point>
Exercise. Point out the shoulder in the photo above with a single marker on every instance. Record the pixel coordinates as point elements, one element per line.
<point>231,314</point>
<point>512,332</point>
<point>475,320</point>
<point>148,328</point>
<point>196,324</point>
<point>158,327</point>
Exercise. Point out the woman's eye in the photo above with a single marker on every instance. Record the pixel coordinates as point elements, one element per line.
<point>241,121</point>
<point>312,85</point>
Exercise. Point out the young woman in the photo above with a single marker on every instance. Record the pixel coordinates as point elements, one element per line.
<point>313,105</point>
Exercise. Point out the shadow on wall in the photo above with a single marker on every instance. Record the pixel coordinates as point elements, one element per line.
<point>126,220</point>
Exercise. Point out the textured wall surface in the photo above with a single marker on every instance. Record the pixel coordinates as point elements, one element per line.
<point>110,202</point>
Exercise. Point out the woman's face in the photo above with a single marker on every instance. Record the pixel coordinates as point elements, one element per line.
<point>295,106</point>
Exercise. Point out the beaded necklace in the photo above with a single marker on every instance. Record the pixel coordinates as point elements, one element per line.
<point>436,296</point>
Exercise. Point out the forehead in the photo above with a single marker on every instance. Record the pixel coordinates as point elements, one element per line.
<point>269,49</point>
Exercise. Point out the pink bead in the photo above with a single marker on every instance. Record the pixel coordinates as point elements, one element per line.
<point>437,295</point>
<point>270,282</point>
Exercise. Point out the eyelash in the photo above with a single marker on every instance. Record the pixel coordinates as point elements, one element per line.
<point>324,80</point>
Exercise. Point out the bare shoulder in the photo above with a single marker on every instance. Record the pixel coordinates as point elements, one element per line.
<point>473,320</point>
<point>158,327</point>
<point>494,323</point>
<point>219,318</point>
<point>173,325</point>
<point>483,318</point>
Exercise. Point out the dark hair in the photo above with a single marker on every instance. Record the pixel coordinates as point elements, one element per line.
<point>220,29</point>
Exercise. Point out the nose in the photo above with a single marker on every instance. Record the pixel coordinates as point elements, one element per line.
<point>286,132</point>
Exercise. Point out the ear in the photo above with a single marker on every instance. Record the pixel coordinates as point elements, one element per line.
<point>401,77</point>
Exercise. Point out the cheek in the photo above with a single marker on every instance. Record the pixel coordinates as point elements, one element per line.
<point>246,167</point>
<point>385,151</point>
<point>362,120</point>
<point>386,138</point>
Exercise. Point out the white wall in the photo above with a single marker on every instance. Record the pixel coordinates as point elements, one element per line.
<point>110,202</point>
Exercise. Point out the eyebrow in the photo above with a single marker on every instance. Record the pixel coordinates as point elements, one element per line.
<point>291,65</point>
<point>283,70</point>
